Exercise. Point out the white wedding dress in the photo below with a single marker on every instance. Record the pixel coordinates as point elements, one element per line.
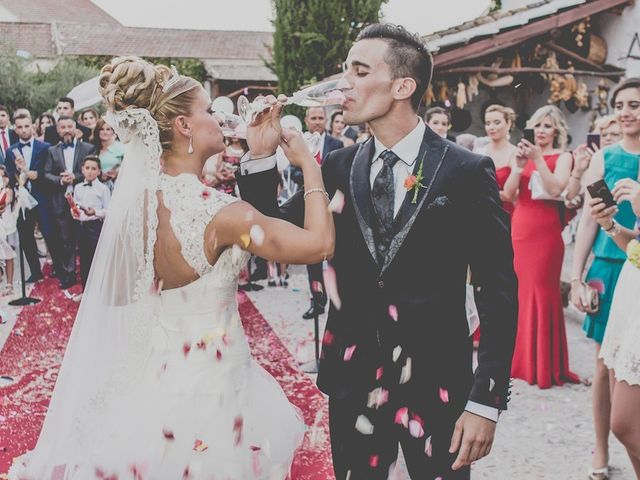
<point>200,407</point>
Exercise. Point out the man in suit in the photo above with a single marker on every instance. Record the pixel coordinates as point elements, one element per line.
<point>28,156</point>
<point>65,108</point>
<point>62,170</point>
<point>316,121</point>
<point>7,136</point>
<point>397,356</point>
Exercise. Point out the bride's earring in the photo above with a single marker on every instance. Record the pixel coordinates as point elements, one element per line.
<point>190,149</point>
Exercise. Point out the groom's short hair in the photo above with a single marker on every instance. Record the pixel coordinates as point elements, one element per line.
<point>407,55</point>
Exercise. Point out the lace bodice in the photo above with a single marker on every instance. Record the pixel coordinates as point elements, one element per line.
<point>193,206</point>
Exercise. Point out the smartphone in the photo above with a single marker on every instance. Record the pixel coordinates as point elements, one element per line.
<point>529,135</point>
<point>600,189</point>
<point>593,139</point>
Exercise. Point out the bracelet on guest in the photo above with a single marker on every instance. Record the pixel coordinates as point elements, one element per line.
<point>315,190</point>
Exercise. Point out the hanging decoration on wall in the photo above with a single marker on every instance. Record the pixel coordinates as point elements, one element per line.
<point>472,89</point>
<point>602,94</point>
<point>461,95</point>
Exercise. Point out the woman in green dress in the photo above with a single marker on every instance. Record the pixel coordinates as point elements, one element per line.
<point>613,163</point>
<point>110,150</point>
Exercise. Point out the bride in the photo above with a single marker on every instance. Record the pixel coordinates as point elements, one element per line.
<point>157,380</point>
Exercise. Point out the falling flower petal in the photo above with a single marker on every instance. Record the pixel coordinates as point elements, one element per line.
<point>444,395</point>
<point>373,461</point>
<point>337,202</point>
<point>257,234</point>
<point>402,417</point>
<point>416,426</point>
<point>245,238</point>
<point>492,384</point>
<point>327,338</point>
<point>218,355</point>
<point>348,353</point>
<point>139,470</point>
<point>393,312</point>
<point>396,353</point>
<point>379,373</point>
<point>405,374</point>
<point>597,284</point>
<point>237,429</point>
<point>200,446</point>
<point>363,425</point>
<point>186,348</point>
<point>257,469</point>
<point>331,285</point>
<point>377,398</point>
<point>168,434</point>
<point>428,449</point>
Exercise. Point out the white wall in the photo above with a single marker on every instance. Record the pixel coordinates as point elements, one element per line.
<point>619,31</point>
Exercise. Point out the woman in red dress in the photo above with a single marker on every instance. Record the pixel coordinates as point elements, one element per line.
<point>541,355</point>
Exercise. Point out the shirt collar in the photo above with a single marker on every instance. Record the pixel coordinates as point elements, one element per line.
<point>407,148</point>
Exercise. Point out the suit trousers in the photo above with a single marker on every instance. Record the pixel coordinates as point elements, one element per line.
<point>87,234</point>
<point>64,239</point>
<point>362,456</point>
<point>26,227</point>
<point>316,284</point>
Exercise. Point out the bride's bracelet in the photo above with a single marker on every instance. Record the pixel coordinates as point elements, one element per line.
<point>314,190</point>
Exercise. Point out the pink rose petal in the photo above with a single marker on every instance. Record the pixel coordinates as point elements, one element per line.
<point>337,202</point>
<point>444,395</point>
<point>373,461</point>
<point>379,373</point>
<point>402,417</point>
<point>348,353</point>
<point>200,446</point>
<point>330,283</point>
<point>597,284</point>
<point>393,312</point>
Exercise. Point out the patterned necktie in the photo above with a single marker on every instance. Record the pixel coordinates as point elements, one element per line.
<point>5,143</point>
<point>383,189</point>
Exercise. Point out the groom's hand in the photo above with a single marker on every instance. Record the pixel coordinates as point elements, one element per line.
<point>472,438</point>
<point>264,134</point>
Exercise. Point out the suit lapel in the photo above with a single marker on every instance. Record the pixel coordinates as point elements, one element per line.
<point>60,157</point>
<point>432,153</point>
<point>77,157</point>
<point>360,193</point>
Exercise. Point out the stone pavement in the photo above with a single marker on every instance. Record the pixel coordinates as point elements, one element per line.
<point>545,434</point>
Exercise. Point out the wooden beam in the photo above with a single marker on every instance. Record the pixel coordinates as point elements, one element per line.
<point>502,41</point>
<point>514,71</point>
<point>573,56</point>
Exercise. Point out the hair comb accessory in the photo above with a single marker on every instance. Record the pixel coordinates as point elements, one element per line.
<point>175,78</point>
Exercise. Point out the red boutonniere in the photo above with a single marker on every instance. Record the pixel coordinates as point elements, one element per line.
<point>413,183</point>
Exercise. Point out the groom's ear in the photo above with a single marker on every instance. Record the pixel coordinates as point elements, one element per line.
<point>182,125</point>
<point>404,87</point>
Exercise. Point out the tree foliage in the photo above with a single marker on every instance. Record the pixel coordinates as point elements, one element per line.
<point>312,37</point>
<point>192,67</point>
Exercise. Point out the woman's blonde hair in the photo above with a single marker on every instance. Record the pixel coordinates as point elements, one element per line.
<point>602,123</point>
<point>559,123</point>
<point>131,82</point>
<point>508,113</point>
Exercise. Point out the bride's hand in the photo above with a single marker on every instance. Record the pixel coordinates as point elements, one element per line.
<point>295,148</point>
<point>263,135</point>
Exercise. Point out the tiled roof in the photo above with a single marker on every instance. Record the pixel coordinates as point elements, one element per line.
<point>84,39</point>
<point>49,11</point>
<point>34,38</point>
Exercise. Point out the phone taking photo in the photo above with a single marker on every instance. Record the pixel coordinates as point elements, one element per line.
<point>600,190</point>
<point>529,135</point>
<point>593,139</point>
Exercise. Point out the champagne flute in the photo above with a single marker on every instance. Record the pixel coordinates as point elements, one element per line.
<point>318,95</point>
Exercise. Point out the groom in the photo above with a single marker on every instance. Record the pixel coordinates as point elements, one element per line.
<point>397,355</point>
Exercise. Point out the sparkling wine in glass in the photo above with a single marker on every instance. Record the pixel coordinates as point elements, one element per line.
<point>232,125</point>
<point>318,95</point>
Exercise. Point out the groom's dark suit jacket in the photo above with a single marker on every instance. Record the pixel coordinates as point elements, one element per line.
<point>457,221</point>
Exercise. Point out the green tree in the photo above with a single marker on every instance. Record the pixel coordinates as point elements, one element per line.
<point>312,37</point>
<point>191,67</point>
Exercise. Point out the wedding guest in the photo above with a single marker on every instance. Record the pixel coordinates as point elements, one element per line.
<point>7,227</point>
<point>44,120</point>
<point>63,169</point>
<point>315,121</point>
<point>7,136</point>
<point>110,151</point>
<point>88,118</point>
<point>541,354</point>
<point>619,350</point>
<point>27,158</point>
<point>337,128</point>
<point>498,124</point>
<point>365,133</point>
<point>65,108</point>
<point>609,130</point>
<point>439,120</point>
<point>613,163</point>
<point>92,198</point>
<point>233,152</point>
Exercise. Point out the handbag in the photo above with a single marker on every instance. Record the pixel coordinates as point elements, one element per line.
<point>538,192</point>
<point>590,298</point>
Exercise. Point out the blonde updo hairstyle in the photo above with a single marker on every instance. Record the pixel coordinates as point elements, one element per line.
<point>508,114</point>
<point>561,137</point>
<point>131,82</point>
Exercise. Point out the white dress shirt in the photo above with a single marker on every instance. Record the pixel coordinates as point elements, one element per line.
<point>27,152</point>
<point>69,154</point>
<point>96,196</point>
<point>407,149</point>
